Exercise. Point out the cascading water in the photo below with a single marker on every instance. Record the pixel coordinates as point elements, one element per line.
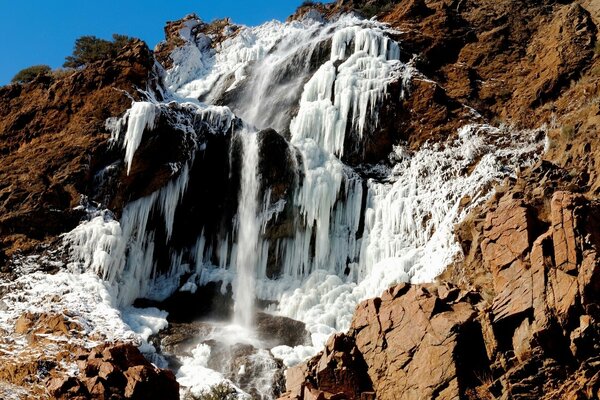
<point>249,227</point>
<point>353,233</point>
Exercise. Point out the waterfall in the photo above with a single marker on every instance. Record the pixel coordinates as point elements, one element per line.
<point>354,231</point>
<point>249,227</point>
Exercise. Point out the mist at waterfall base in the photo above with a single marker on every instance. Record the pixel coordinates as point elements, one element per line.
<point>356,232</point>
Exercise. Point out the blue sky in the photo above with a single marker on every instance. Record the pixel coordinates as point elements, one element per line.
<point>43,32</point>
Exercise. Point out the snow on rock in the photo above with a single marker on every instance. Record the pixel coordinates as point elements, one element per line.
<point>87,299</point>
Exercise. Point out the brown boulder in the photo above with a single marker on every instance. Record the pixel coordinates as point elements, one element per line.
<point>46,324</point>
<point>67,388</point>
<point>120,371</point>
<point>410,343</point>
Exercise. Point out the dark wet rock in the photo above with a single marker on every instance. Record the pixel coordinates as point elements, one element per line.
<point>277,330</point>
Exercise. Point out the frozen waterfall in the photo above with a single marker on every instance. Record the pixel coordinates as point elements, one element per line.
<point>354,231</point>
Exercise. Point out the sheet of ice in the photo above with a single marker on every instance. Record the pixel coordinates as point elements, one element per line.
<point>409,222</point>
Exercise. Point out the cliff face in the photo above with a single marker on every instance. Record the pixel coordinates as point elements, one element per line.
<point>517,317</point>
<point>53,140</point>
<point>529,332</point>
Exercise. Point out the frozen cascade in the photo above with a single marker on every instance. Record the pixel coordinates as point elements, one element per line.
<point>270,64</point>
<point>409,222</point>
<point>335,97</point>
<point>122,252</point>
<point>332,260</point>
<point>249,227</point>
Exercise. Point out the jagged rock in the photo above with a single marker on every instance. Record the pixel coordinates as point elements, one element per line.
<point>409,343</point>
<point>146,382</point>
<point>507,235</point>
<point>540,327</point>
<point>55,324</point>
<point>67,388</point>
<point>193,27</point>
<point>118,371</point>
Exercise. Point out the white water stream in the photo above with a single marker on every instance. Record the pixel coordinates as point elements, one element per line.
<point>249,227</point>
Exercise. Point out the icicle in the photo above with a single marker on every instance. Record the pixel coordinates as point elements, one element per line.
<point>140,117</point>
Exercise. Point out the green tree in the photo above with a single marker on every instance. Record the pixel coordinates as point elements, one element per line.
<point>30,73</point>
<point>89,49</point>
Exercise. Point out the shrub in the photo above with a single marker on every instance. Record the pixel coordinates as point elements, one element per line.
<point>307,3</point>
<point>30,73</point>
<point>597,48</point>
<point>89,49</point>
<point>60,73</point>
<point>222,391</point>
<point>371,10</point>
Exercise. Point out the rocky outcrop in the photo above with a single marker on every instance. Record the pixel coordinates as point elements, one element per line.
<point>190,26</point>
<point>505,59</point>
<point>529,332</point>
<point>116,372</point>
<point>412,342</point>
<point>53,140</point>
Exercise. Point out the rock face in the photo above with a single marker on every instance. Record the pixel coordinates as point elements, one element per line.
<point>521,322</point>
<point>413,342</point>
<point>537,337</point>
<point>516,319</point>
<point>53,140</point>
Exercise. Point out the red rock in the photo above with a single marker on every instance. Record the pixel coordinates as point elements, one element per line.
<point>515,286</point>
<point>125,356</point>
<point>563,225</point>
<point>147,383</point>
<point>24,323</point>
<point>66,388</point>
<point>294,380</point>
<point>95,387</point>
<point>311,393</point>
<point>408,341</point>
<point>507,234</point>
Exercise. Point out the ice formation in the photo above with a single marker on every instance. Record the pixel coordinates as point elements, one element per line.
<point>352,236</point>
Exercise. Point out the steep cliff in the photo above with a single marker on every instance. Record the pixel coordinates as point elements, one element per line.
<point>306,169</point>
